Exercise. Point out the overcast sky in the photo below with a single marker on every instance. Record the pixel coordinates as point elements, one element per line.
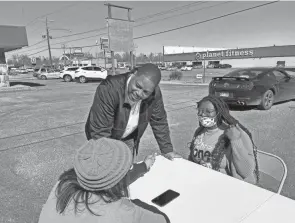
<point>265,26</point>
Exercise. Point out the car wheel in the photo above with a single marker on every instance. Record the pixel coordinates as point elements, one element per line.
<point>267,100</point>
<point>67,78</point>
<point>82,79</point>
<point>43,77</point>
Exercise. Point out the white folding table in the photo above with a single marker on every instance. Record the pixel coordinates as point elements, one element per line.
<point>205,195</point>
<point>277,209</point>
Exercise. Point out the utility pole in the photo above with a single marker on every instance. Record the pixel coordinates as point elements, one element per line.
<point>163,55</point>
<point>105,59</point>
<point>64,53</point>
<point>47,35</point>
<point>204,73</point>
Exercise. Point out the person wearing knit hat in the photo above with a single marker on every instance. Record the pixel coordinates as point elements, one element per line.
<point>125,104</point>
<point>96,189</point>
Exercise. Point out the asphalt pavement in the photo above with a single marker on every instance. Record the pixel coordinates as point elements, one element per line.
<point>41,130</point>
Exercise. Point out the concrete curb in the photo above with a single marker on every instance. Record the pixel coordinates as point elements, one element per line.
<point>14,89</point>
<point>183,83</point>
<point>24,78</point>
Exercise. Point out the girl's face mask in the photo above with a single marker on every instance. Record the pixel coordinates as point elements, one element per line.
<point>207,121</point>
<point>206,114</point>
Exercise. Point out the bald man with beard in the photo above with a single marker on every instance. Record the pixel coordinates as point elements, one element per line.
<point>125,104</point>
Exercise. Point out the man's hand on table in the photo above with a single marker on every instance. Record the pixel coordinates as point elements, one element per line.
<point>172,155</point>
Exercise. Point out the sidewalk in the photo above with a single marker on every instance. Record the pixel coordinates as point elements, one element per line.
<point>185,83</point>
<point>16,88</point>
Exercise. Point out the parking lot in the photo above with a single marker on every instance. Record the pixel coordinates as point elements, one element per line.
<point>41,129</point>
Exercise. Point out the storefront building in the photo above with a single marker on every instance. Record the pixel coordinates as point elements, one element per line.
<point>247,57</point>
<point>11,38</point>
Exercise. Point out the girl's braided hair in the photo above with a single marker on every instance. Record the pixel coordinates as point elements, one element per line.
<point>223,116</point>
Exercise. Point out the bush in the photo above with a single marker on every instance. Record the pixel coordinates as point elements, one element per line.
<point>175,75</point>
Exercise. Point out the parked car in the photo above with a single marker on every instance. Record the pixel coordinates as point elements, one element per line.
<point>171,68</point>
<point>68,74</point>
<point>48,73</point>
<point>29,69</point>
<point>260,87</point>
<point>212,66</point>
<point>84,74</point>
<point>162,67</point>
<point>224,66</point>
<point>198,67</point>
<point>186,68</point>
<point>21,71</point>
<point>36,72</point>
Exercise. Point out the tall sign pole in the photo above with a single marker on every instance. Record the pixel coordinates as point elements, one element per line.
<point>112,52</point>
<point>104,44</point>
<point>131,52</point>
<point>105,59</point>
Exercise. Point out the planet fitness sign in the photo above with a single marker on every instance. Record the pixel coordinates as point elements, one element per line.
<point>225,54</point>
<point>243,53</point>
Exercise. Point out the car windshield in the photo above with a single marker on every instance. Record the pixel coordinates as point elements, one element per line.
<point>245,73</point>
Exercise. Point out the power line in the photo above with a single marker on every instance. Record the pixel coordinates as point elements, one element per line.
<point>66,42</point>
<point>30,50</point>
<point>141,18</point>
<point>100,29</point>
<point>42,51</point>
<point>204,21</point>
<point>60,9</point>
<point>208,20</point>
<point>50,13</point>
<point>34,44</point>
<point>61,42</point>
<point>79,39</point>
<point>171,10</point>
<point>75,34</point>
<point>201,9</point>
<point>36,30</point>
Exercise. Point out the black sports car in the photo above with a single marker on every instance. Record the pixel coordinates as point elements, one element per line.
<point>224,66</point>
<point>255,86</point>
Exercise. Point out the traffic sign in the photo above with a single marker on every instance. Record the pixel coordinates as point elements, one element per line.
<point>104,47</point>
<point>104,40</point>
<point>107,54</point>
<point>104,43</point>
<point>78,54</point>
<point>33,60</point>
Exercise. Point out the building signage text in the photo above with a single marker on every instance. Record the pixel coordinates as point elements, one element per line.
<point>223,54</point>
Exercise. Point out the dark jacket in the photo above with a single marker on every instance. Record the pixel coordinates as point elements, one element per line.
<point>109,114</point>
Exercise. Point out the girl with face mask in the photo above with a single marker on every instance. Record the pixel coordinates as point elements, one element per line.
<point>222,143</point>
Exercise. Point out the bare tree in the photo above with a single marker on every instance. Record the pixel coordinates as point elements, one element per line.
<point>118,57</point>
